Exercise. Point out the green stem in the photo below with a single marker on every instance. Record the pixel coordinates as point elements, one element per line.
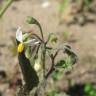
<point>43,58</point>
<point>7,4</point>
<point>32,20</point>
<point>40,30</point>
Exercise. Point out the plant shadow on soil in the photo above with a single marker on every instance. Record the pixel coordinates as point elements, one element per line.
<point>76,90</point>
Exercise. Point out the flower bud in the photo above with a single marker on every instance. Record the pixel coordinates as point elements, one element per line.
<point>53,39</point>
<point>37,66</point>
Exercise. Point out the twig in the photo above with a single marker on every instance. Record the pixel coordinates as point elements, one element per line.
<point>2,11</point>
<point>52,67</point>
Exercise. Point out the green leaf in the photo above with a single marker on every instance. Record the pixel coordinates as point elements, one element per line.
<point>27,52</point>
<point>53,38</point>
<point>61,64</point>
<point>88,88</point>
<point>95,93</point>
<point>51,93</point>
<point>25,37</point>
<point>63,6</point>
<point>92,93</point>
<point>56,75</point>
<point>67,63</point>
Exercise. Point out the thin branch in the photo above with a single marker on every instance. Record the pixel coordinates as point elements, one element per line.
<point>52,67</point>
<point>48,38</point>
<point>6,6</point>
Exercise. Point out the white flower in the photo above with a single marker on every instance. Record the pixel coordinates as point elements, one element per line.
<point>29,42</point>
<point>19,35</point>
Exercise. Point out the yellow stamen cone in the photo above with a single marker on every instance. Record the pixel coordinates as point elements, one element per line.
<point>20,47</point>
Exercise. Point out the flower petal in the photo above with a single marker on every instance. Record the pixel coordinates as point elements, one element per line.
<point>19,35</point>
<point>32,42</point>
